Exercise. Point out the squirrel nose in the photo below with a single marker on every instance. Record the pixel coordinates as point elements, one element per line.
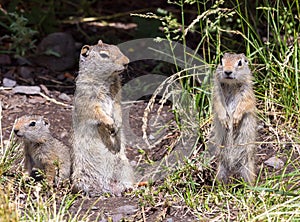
<point>16,131</point>
<point>228,73</point>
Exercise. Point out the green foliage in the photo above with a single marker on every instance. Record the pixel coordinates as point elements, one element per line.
<point>26,21</point>
<point>40,15</point>
<point>268,33</point>
<point>21,36</point>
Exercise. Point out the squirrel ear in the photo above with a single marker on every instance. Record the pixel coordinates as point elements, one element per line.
<point>46,122</point>
<point>100,42</point>
<point>85,50</point>
<point>245,58</point>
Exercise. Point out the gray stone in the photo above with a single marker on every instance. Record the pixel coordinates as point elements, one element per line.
<point>274,162</point>
<point>57,52</point>
<point>65,97</point>
<point>9,82</point>
<point>28,90</point>
<point>127,209</point>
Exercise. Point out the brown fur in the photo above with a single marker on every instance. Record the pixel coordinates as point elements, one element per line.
<point>234,122</point>
<point>99,160</point>
<point>41,150</point>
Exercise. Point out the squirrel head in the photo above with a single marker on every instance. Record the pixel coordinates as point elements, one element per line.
<point>233,69</point>
<point>32,128</point>
<point>102,59</point>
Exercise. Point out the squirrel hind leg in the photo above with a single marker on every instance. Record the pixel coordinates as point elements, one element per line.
<point>212,150</point>
<point>222,173</point>
<point>247,172</point>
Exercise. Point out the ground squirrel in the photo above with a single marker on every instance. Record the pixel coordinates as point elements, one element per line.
<point>98,156</point>
<point>42,151</point>
<point>234,121</point>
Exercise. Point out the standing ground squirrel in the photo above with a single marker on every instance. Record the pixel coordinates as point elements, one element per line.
<point>42,151</point>
<point>98,156</point>
<point>234,122</point>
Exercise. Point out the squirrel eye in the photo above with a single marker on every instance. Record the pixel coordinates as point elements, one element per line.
<point>32,123</point>
<point>85,51</point>
<point>104,54</point>
<point>240,63</point>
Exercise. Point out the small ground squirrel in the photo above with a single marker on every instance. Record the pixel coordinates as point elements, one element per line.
<point>42,151</point>
<point>234,121</point>
<point>98,156</point>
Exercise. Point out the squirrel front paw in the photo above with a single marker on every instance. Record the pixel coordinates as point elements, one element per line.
<point>237,116</point>
<point>224,120</point>
<point>113,129</point>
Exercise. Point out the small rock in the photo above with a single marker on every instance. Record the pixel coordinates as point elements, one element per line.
<point>274,162</point>
<point>127,209</point>
<point>28,90</point>
<point>9,82</point>
<point>169,220</point>
<point>65,97</point>
<point>151,137</point>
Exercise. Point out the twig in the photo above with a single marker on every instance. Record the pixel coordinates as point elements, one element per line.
<point>5,88</point>
<point>54,101</point>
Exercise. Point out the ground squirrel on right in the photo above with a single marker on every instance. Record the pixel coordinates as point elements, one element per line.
<point>234,119</point>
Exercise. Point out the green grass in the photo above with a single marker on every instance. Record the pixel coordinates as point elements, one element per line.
<point>268,33</point>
